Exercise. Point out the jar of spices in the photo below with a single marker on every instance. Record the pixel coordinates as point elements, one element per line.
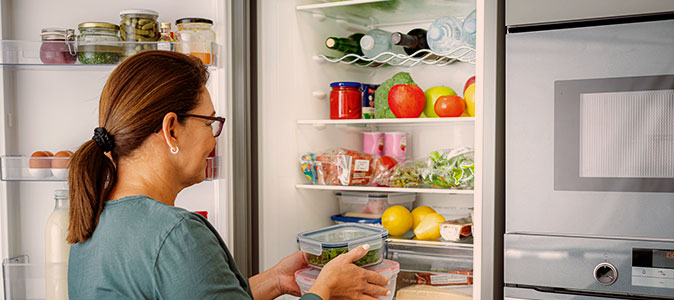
<point>345,100</point>
<point>196,38</point>
<point>98,43</point>
<point>139,26</point>
<point>58,46</point>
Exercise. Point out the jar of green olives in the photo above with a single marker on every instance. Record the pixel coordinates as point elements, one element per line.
<point>98,43</point>
<point>140,28</point>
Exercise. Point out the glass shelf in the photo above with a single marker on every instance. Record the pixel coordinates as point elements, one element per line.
<point>382,189</point>
<point>24,280</point>
<point>386,12</point>
<point>399,121</point>
<point>26,54</point>
<point>422,57</point>
<point>23,168</point>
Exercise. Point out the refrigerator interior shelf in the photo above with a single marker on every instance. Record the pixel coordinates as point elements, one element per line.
<point>24,280</point>
<point>381,189</point>
<point>415,244</point>
<point>103,56</point>
<point>423,56</point>
<point>23,168</point>
<point>410,121</point>
<point>375,13</point>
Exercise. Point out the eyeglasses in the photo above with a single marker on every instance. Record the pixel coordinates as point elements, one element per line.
<point>216,126</point>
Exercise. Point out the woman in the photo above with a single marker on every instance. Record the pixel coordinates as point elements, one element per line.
<point>157,126</point>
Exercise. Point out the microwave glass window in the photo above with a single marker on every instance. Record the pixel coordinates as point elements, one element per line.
<point>627,134</point>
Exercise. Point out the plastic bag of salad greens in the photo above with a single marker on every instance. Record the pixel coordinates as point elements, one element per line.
<point>408,174</point>
<point>450,168</point>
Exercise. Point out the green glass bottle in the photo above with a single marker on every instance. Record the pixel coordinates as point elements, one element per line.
<point>348,45</point>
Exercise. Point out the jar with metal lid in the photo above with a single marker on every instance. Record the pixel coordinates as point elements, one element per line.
<point>58,46</point>
<point>139,26</point>
<point>196,37</point>
<point>345,100</point>
<point>98,43</point>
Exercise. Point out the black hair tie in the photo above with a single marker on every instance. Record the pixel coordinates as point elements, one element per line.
<point>103,139</point>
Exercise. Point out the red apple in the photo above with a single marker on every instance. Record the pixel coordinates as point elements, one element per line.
<point>450,106</point>
<point>468,83</point>
<point>406,100</point>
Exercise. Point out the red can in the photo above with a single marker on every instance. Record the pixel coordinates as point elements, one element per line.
<point>346,100</point>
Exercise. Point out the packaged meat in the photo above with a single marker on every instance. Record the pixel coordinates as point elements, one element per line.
<point>338,167</point>
<point>456,230</point>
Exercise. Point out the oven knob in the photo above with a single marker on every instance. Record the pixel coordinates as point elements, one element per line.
<point>605,273</point>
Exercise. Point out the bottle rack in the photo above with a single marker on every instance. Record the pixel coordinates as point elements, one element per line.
<point>23,168</point>
<point>423,56</point>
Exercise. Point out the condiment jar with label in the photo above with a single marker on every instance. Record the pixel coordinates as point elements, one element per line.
<point>196,38</point>
<point>139,25</point>
<point>98,43</point>
<point>345,100</point>
<point>58,46</point>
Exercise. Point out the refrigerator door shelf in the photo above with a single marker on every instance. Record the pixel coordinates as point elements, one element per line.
<point>23,54</point>
<point>23,168</point>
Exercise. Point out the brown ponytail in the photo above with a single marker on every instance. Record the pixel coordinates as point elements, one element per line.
<point>135,99</point>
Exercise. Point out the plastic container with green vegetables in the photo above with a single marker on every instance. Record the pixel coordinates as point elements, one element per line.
<point>321,246</point>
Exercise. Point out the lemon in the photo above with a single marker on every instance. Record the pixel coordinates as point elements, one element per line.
<point>397,220</point>
<point>419,213</point>
<point>429,228</point>
<point>469,96</point>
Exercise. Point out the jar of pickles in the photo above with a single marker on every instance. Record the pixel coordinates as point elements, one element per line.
<point>98,43</point>
<point>141,27</point>
<point>196,38</point>
<point>58,46</point>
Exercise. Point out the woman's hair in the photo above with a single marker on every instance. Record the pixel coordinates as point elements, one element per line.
<point>135,99</point>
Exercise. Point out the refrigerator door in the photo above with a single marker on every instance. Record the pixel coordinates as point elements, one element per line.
<point>589,129</point>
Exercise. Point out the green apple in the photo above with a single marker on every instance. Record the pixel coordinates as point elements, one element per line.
<point>432,95</point>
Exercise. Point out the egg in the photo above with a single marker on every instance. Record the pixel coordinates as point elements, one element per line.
<point>60,164</point>
<point>40,164</point>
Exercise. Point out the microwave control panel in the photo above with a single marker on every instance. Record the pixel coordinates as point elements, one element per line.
<point>653,268</point>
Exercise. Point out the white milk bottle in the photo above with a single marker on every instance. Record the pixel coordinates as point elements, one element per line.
<point>57,249</point>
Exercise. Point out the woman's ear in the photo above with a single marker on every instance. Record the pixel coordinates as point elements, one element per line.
<point>169,128</point>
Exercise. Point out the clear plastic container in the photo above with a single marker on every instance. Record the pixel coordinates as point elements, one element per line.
<point>341,219</point>
<point>196,37</point>
<point>305,278</point>
<point>98,43</point>
<point>371,205</point>
<point>322,245</point>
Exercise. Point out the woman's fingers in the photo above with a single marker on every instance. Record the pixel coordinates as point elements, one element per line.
<point>376,278</point>
<point>356,253</point>
<point>375,290</point>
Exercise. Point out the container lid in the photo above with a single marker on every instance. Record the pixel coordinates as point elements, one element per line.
<point>342,218</point>
<point>138,12</point>
<point>340,236</point>
<point>308,276</point>
<point>165,25</point>
<point>56,32</point>
<point>193,20</point>
<point>97,25</point>
<point>345,83</point>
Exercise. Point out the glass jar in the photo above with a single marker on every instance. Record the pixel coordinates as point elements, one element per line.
<point>139,26</point>
<point>196,38</point>
<point>98,43</point>
<point>345,100</point>
<point>58,46</point>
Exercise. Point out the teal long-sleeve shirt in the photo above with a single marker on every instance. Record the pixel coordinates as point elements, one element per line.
<point>145,249</point>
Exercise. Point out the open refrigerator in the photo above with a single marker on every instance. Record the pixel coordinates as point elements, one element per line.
<point>294,75</point>
<point>258,201</point>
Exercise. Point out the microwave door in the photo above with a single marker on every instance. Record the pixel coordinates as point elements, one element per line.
<point>590,131</point>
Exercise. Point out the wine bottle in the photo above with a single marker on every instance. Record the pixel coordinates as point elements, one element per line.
<point>348,45</point>
<point>412,42</point>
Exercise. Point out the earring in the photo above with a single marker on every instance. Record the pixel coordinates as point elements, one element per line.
<point>175,150</point>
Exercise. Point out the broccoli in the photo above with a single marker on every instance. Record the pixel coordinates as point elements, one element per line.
<point>382,110</point>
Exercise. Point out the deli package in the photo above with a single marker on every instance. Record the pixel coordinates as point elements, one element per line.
<point>346,167</point>
<point>456,230</point>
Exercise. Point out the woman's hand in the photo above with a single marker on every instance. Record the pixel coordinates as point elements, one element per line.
<point>341,279</point>
<point>278,280</point>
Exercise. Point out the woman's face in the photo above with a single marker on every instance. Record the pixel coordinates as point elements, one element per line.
<point>198,142</point>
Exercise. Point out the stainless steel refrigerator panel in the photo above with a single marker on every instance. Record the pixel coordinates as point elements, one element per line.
<point>535,61</point>
<point>573,265</point>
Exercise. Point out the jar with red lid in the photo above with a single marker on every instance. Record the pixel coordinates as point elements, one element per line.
<point>345,100</point>
<point>58,46</point>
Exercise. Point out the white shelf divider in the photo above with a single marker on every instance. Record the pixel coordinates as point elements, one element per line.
<point>382,189</point>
